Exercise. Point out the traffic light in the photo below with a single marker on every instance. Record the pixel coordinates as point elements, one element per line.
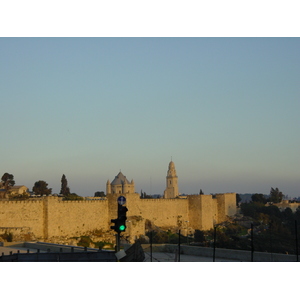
<point>116,226</point>
<point>120,222</point>
<point>122,217</point>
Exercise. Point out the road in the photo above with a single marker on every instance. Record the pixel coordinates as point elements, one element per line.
<point>172,257</point>
<point>156,256</point>
<point>15,249</point>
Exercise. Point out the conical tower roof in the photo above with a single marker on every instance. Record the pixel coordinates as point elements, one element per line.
<point>171,170</point>
<point>120,179</point>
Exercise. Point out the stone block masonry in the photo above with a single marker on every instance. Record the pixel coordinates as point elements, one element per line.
<point>23,214</point>
<point>50,217</point>
<point>75,217</point>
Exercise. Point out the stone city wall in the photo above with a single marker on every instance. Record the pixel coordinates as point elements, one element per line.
<point>23,214</point>
<point>286,204</point>
<point>161,212</point>
<point>226,205</point>
<point>208,211</point>
<point>165,212</point>
<point>202,211</point>
<point>75,217</point>
<point>53,217</point>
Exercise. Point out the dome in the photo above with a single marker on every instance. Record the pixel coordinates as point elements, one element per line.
<point>171,165</point>
<point>120,179</point>
<point>171,171</point>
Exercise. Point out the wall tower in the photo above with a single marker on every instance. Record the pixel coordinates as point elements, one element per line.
<point>171,190</point>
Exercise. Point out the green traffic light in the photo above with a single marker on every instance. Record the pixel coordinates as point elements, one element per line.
<point>122,227</point>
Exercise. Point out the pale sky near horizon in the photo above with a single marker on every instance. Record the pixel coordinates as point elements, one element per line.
<point>225,109</point>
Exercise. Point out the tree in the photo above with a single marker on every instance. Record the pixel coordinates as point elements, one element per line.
<point>7,181</point>
<point>64,186</point>
<point>259,198</point>
<point>251,209</point>
<point>201,192</point>
<point>99,194</point>
<point>238,199</point>
<point>40,188</point>
<point>275,195</point>
<point>145,196</point>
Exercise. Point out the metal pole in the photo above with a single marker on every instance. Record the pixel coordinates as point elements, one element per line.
<point>179,246</point>
<point>271,241</point>
<point>296,233</point>
<point>117,248</point>
<point>252,246</point>
<point>151,245</point>
<point>118,241</point>
<point>215,234</point>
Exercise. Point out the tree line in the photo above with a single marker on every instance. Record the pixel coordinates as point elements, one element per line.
<point>39,188</point>
<point>274,230</point>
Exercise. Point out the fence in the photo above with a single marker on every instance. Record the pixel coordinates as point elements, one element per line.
<point>251,252</point>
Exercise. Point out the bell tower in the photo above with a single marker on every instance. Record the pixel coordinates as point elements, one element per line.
<point>171,190</point>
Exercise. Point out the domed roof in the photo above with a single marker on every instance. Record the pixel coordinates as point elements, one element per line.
<point>171,170</point>
<point>171,165</point>
<point>120,179</point>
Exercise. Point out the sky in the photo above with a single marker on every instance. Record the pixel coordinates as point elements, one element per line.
<point>225,110</point>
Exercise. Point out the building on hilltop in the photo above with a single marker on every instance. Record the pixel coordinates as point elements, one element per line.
<point>19,190</point>
<point>14,191</point>
<point>171,190</point>
<point>287,204</point>
<point>120,185</point>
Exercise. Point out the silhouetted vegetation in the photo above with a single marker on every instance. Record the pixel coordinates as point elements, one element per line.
<point>145,196</point>
<point>99,194</point>
<point>41,188</point>
<point>273,230</point>
<point>163,237</point>
<point>65,190</point>
<point>73,196</point>
<point>86,241</point>
<point>7,181</point>
<point>7,236</point>
<point>23,196</point>
<point>276,196</point>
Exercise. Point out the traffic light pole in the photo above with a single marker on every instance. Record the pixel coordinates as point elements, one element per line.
<point>120,222</point>
<point>118,242</point>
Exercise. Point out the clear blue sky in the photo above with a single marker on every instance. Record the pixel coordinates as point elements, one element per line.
<point>225,109</point>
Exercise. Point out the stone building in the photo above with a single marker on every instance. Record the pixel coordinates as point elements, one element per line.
<point>14,191</point>
<point>120,185</point>
<point>287,204</point>
<point>171,190</point>
<point>18,190</point>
